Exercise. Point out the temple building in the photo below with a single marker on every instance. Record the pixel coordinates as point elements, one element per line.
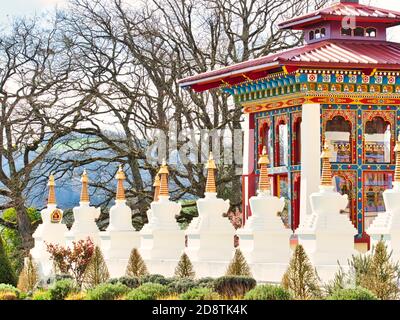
<point>343,85</point>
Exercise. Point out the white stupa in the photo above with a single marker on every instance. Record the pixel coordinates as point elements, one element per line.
<point>85,216</point>
<point>50,231</point>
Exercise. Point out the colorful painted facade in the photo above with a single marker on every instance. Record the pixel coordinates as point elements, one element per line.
<point>344,83</point>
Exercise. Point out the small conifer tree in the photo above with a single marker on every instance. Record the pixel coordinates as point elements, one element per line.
<point>7,274</point>
<point>300,278</point>
<point>383,275</point>
<point>184,269</point>
<point>96,272</point>
<point>136,266</point>
<point>29,277</point>
<point>238,266</point>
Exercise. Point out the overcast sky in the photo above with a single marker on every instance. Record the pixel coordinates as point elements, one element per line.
<point>9,8</point>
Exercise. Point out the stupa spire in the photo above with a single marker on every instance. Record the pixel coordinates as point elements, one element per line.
<point>52,192</point>
<point>264,184</point>
<point>326,176</point>
<point>164,179</point>
<point>156,186</point>
<point>397,170</point>
<point>210,184</point>
<point>85,190</point>
<point>120,184</point>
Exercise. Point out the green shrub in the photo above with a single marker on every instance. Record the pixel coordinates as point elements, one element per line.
<point>233,286</point>
<point>199,294</point>
<point>8,296</point>
<point>156,278</point>
<point>62,288</point>
<point>148,291</point>
<point>7,274</point>
<point>130,282</point>
<point>63,276</point>
<point>107,291</point>
<point>181,285</point>
<point>268,292</point>
<point>8,288</point>
<point>352,294</point>
<point>41,295</point>
<point>206,282</point>
<point>76,296</point>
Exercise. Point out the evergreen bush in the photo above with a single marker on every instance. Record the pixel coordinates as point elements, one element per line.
<point>7,274</point>
<point>300,279</point>
<point>136,266</point>
<point>107,291</point>
<point>41,295</point>
<point>352,294</point>
<point>28,278</point>
<point>61,289</point>
<point>206,282</point>
<point>96,271</point>
<point>130,282</point>
<point>76,296</point>
<point>268,292</point>
<point>199,294</point>
<point>184,269</point>
<point>9,289</point>
<point>383,276</point>
<point>233,286</point>
<point>148,291</point>
<point>181,285</point>
<point>156,278</point>
<point>8,296</point>
<point>238,266</point>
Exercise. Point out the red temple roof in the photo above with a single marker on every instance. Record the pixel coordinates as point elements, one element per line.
<point>325,54</point>
<point>344,9</point>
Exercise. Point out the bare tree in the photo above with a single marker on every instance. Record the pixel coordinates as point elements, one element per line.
<point>37,110</point>
<point>130,59</point>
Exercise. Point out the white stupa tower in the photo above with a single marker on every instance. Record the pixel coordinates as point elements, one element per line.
<point>161,239</point>
<point>210,236</point>
<point>84,217</point>
<point>264,240</point>
<point>386,225</point>
<point>120,237</point>
<point>50,231</point>
<point>326,234</point>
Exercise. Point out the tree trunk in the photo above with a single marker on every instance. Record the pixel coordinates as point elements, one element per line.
<point>24,228</point>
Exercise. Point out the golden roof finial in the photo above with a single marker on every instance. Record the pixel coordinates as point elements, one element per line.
<point>211,167</point>
<point>264,183</point>
<point>85,191</point>
<point>52,192</point>
<point>397,170</point>
<point>156,186</point>
<point>120,184</point>
<point>326,176</point>
<point>164,179</point>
